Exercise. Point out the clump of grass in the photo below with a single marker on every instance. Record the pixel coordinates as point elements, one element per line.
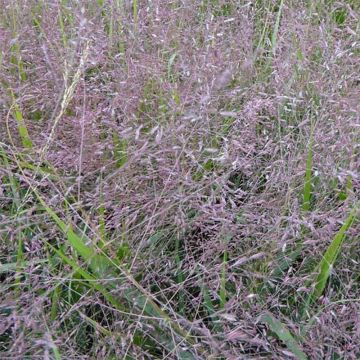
<point>179,180</point>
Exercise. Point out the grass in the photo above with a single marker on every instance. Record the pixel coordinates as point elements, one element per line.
<point>308,177</point>
<point>179,180</point>
<point>284,335</point>
<point>327,263</point>
<point>22,129</point>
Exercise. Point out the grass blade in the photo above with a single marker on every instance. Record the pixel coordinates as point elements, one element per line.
<point>308,175</point>
<point>120,151</point>
<point>276,28</point>
<point>22,129</point>
<point>208,305</point>
<point>283,333</point>
<point>135,13</point>
<point>93,282</point>
<point>330,257</point>
<point>99,264</point>
<point>222,293</point>
<point>4,268</point>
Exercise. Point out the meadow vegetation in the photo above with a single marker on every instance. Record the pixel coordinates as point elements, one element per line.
<point>179,179</point>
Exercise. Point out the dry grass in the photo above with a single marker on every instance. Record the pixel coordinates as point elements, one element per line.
<point>176,179</point>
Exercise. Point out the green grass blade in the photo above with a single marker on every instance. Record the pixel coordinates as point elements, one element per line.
<point>92,281</point>
<point>207,300</point>
<point>223,276</point>
<point>4,268</point>
<point>283,333</point>
<point>19,261</point>
<point>170,64</point>
<point>308,176</point>
<point>14,186</point>
<point>99,264</point>
<point>223,282</point>
<point>56,353</point>
<point>208,305</point>
<point>22,129</point>
<point>180,277</point>
<point>96,325</point>
<point>120,151</point>
<point>284,261</point>
<point>330,257</point>
<point>55,297</point>
<point>276,28</point>
<point>102,221</point>
<point>135,12</point>
<point>17,60</point>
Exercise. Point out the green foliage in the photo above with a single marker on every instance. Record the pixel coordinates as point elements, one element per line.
<point>275,32</point>
<point>283,333</point>
<point>330,256</point>
<point>19,266</point>
<point>23,132</point>
<point>120,151</point>
<point>308,179</point>
<point>153,105</point>
<point>123,252</point>
<point>223,280</point>
<point>217,8</point>
<point>339,15</point>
